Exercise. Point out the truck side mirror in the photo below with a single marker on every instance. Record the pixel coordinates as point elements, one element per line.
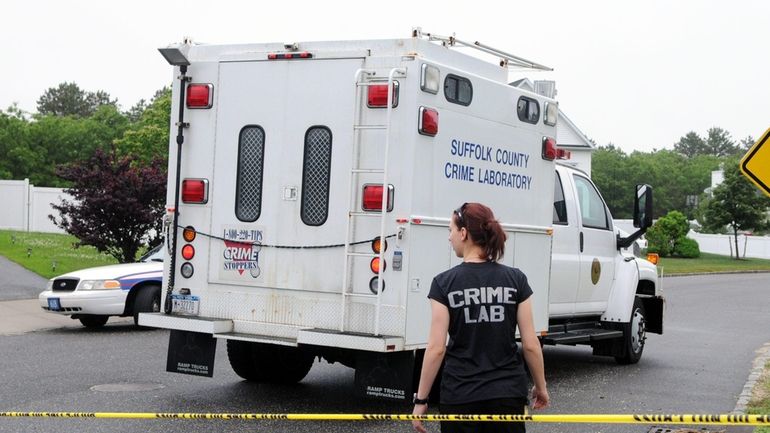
<point>643,206</point>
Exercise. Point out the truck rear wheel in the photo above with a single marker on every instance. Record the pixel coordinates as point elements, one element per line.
<point>268,363</point>
<point>634,336</point>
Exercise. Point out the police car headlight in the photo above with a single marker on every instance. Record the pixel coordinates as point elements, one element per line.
<point>99,285</point>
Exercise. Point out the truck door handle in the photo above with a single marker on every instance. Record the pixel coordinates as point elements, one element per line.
<point>581,242</point>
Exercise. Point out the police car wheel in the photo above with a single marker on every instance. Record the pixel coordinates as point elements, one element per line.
<point>147,301</point>
<point>93,320</point>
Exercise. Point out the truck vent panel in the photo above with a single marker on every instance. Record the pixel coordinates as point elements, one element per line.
<point>316,174</point>
<point>251,162</point>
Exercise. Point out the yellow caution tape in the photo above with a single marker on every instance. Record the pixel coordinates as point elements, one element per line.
<point>729,419</point>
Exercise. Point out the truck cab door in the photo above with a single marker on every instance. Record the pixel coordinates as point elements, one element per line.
<point>565,251</point>
<point>597,247</point>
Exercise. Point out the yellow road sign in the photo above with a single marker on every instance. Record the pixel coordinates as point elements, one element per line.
<point>755,164</point>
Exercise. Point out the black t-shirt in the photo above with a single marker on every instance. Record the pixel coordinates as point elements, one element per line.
<point>482,360</point>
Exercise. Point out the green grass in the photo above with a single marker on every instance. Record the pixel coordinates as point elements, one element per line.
<point>760,402</point>
<point>711,263</point>
<point>39,252</point>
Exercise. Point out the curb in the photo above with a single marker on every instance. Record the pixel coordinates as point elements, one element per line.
<point>691,274</point>
<point>763,356</point>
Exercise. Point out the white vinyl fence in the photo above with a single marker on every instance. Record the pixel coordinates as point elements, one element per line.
<point>748,246</point>
<point>26,207</point>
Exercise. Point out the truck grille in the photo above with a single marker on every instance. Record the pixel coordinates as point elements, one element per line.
<point>316,175</point>
<point>65,284</point>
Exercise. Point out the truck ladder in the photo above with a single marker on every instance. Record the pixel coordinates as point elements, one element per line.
<point>363,79</point>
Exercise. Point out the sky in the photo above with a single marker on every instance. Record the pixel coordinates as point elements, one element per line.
<point>638,74</point>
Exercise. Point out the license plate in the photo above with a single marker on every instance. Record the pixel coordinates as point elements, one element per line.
<point>185,304</point>
<point>54,304</point>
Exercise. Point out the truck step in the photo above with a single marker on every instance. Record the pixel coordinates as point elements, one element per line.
<point>581,336</point>
<point>257,338</point>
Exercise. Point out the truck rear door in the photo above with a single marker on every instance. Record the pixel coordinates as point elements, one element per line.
<point>282,159</point>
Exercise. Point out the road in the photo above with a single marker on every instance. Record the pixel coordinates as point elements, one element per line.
<point>714,325</point>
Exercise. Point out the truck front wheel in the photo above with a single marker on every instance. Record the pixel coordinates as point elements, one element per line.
<point>634,336</point>
<point>268,363</point>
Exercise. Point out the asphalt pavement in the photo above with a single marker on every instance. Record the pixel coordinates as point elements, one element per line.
<point>17,282</point>
<point>20,314</point>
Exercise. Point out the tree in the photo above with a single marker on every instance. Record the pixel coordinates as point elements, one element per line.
<point>69,100</point>
<point>690,145</point>
<point>719,142</point>
<point>148,138</point>
<point>736,203</point>
<point>609,169</point>
<point>116,203</point>
<point>745,144</point>
<point>13,135</point>
<point>668,232</point>
<point>55,140</point>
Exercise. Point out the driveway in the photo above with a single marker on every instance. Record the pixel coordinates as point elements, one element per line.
<point>17,282</point>
<point>19,309</point>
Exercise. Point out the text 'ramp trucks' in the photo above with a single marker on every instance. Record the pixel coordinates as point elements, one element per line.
<point>310,191</point>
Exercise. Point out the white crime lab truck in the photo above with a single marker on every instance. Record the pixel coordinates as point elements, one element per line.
<point>310,192</point>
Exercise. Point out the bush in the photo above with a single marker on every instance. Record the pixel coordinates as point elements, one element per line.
<point>687,248</point>
<point>666,233</point>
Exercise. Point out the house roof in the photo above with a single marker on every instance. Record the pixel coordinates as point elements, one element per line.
<point>569,135</point>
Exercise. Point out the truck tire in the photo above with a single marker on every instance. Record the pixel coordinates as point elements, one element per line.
<point>268,363</point>
<point>634,336</point>
<point>147,301</point>
<point>93,320</point>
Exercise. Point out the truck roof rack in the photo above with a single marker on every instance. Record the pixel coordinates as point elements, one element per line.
<point>506,59</point>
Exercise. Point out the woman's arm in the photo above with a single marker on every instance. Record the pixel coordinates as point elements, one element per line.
<point>434,355</point>
<point>533,354</point>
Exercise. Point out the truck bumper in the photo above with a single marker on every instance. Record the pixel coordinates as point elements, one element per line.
<point>273,333</point>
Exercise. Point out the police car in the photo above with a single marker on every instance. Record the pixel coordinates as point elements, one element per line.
<point>93,295</point>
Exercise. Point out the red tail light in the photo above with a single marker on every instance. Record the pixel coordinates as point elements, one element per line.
<point>378,95</point>
<point>290,56</point>
<point>563,154</point>
<point>549,148</point>
<point>428,122</point>
<point>372,198</point>
<point>374,265</point>
<point>200,96</point>
<point>188,252</point>
<point>195,191</point>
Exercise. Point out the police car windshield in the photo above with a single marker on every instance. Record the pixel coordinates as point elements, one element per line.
<point>156,254</point>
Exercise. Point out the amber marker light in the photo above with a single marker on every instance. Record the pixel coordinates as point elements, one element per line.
<point>377,244</point>
<point>189,233</point>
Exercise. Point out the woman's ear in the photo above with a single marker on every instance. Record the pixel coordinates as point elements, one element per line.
<point>463,233</point>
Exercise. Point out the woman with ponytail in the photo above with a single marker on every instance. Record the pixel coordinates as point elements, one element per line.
<point>479,303</point>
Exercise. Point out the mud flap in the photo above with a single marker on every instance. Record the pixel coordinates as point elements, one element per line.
<point>191,353</point>
<point>385,375</point>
